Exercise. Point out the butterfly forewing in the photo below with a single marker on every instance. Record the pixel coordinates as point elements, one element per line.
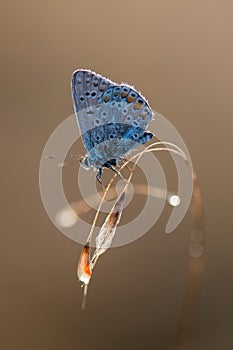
<point>87,87</point>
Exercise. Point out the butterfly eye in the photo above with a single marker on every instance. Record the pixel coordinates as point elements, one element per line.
<point>87,93</point>
<point>111,136</point>
<point>93,94</point>
<point>97,121</point>
<point>81,98</point>
<point>135,136</point>
<point>113,103</point>
<point>125,111</point>
<point>128,118</point>
<point>135,123</point>
<point>104,114</point>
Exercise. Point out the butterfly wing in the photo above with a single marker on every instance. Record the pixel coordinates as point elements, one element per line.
<point>87,88</point>
<point>112,118</point>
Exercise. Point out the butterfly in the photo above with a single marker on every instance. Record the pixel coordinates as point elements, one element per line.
<point>112,118</point>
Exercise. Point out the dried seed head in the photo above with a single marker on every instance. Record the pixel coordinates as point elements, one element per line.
<point>84,269</point>
<point>107,231</point>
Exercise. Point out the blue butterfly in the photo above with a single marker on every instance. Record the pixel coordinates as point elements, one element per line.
<point>112,119</point>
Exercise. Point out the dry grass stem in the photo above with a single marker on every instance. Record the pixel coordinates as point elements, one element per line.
<point>108,229</point>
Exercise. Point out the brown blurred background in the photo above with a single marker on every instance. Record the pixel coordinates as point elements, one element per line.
<point>180,55</point>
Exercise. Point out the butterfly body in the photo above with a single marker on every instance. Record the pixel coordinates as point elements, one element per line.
<point>112,118</point>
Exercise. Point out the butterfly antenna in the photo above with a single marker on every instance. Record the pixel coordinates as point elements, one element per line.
<point>69,158</point>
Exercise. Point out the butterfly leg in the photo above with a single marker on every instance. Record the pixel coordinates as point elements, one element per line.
<point>98,176</point>
<point>116,171</point>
